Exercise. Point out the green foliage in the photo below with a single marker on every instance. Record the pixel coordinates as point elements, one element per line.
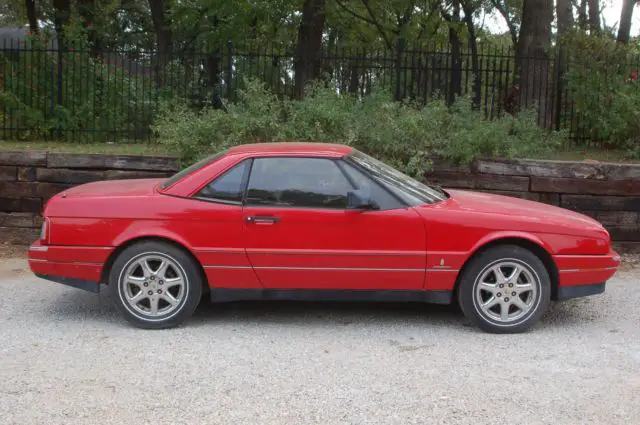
<point>46,91</point>
<point>606,98</point>
<point>402,134</point>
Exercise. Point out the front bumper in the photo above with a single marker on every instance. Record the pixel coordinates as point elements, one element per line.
<point>586,269</point>
<point>585,275</point>
<point>78,267</point>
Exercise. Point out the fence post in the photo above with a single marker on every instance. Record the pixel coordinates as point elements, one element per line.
<point>229,68</point>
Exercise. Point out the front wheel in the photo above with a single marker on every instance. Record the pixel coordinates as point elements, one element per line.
<point>155,285</point>
<point>505,289</point>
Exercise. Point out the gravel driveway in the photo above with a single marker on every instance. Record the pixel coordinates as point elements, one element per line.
<point>67,358</point>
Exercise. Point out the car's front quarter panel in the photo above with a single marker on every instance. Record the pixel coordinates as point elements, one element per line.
<point>582,256</point>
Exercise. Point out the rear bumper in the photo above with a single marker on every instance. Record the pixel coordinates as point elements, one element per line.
<point>78,267</point>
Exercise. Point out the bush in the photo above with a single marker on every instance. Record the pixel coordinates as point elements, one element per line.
<point>605,93</point>
<point>46,91</point>
<point>402,134</point>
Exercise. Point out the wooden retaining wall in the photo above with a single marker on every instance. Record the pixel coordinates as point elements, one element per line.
<point>608,192</point>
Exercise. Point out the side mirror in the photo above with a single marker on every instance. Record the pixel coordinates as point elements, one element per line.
<point>357,200</point>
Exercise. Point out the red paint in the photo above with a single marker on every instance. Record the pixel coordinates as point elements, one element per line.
<point>407,248</point>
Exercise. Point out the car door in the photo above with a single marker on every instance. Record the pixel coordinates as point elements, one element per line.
<point>212,222</point>
<point>300,235</point>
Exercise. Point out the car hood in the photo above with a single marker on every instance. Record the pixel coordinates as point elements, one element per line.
<point>113,188</point>
<point>529,210</point>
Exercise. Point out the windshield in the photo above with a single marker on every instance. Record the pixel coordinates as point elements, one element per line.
<point>408,189</point>
<point>194,167</point>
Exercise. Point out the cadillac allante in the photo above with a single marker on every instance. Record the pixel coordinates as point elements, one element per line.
<point>310,221</point>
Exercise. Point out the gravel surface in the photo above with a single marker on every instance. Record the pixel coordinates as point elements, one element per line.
<point>67,358</point>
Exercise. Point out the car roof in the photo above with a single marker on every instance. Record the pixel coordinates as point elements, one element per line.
<point>296,148</point>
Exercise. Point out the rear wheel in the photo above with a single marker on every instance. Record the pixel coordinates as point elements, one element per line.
<point>155,285</point>
<point>505,289</point>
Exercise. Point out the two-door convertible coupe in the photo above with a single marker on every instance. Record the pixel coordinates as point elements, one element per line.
<point>309,221</point>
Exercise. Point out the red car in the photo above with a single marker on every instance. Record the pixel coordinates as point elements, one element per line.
<point>310,221</point>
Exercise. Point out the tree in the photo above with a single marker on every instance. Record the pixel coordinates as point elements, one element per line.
<point>532,54</point>
<point>564,13</point>
<point>164,34</point>
<point>594,16</point>
<point>624,32</point>
<point>582,15</point>
<point>32,16</point>
<point>309,43</point>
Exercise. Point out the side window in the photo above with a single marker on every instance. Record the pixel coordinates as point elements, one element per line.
<point>229,186</point>
<point>299,182</point>
<point>383,198</point>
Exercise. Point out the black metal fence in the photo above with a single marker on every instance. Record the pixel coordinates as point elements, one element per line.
<point>79,94</point>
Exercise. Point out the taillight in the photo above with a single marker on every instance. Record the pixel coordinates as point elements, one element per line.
<point>44,231</point>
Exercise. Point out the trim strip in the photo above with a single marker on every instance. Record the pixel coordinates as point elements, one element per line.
<point>317,268</point>
<point>72,263</point>
<point>40,248</point>
<point>310,251</point>
<point>357,269</point>
<point>603,269</point>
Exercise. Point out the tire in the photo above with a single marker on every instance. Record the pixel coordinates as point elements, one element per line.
<point>483,300</point>
<point>160,295</point>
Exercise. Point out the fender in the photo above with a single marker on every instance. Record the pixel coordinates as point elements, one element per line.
<point>139,230</point>
<point>508,234</point>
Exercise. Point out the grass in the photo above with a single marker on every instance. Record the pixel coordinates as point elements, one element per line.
<point>590,154</point>
<point>568,154</point>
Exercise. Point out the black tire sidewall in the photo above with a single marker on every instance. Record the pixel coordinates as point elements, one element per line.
<point>468,281</point>
<point>182,259</point>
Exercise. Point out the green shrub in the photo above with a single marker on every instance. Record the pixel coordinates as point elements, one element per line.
<point>605,97</point>
<point>46,93</point>
<point>402,134</point>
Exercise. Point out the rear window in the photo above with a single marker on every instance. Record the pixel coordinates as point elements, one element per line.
<point>191,169</point>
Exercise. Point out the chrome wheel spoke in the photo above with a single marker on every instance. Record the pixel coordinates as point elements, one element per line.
<point>489,287</point>
<point>153,305</point>
<point>146,269</point>
<point>524,288</point>
<point>137,281</point>
<point>169,298</point>
<point>161,270</point>
<point>515,274</point>
<point>491,302</point>
<point>504,311</point>
<point>500,277</point>
<point>517,301</point>
<point>138,297</point>
<point>177,281</point>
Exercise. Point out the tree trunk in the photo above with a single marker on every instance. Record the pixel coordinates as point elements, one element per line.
<point>310,32</point>
<point>564,12</point>
<point>532,58</point>
<point>86,9</point>
<point>32,16</point>
<point>164,35</point>
<point>582,15</point>
<point>594,16</point>
<point>401,45</point>
<point>475,62</point>
<point>62,13</point>
<point>455,87</point>
<point>624,32</point>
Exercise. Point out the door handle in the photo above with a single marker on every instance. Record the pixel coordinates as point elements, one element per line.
<point>262,219</point>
